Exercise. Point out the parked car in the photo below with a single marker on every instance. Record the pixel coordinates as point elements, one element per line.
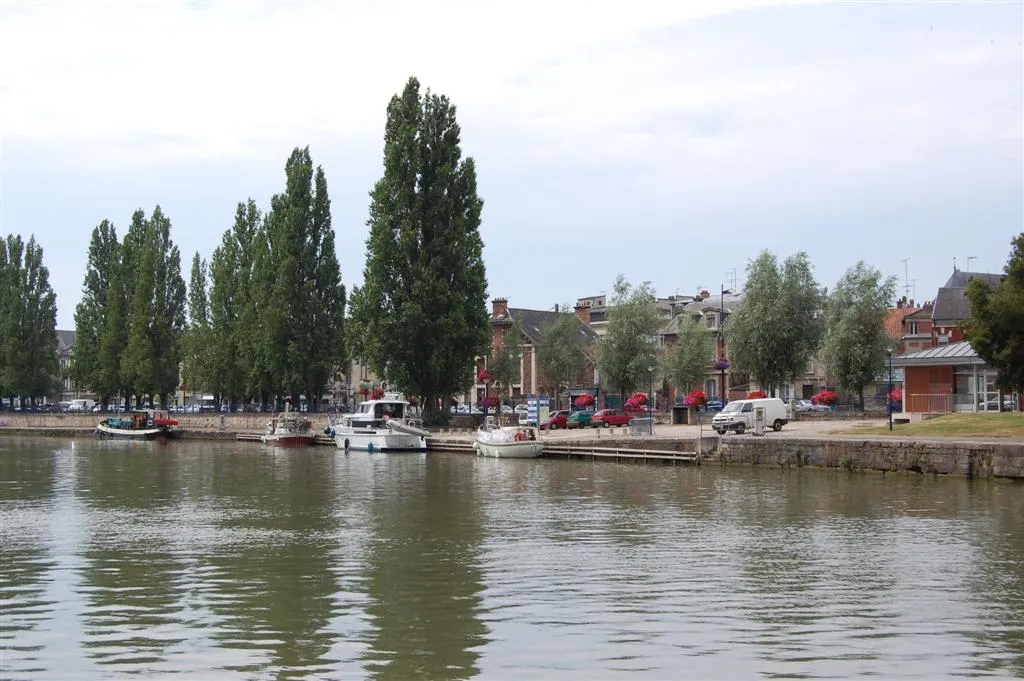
<point>739,415</point>
<point>556,420</point>
<point>713,405</point>
<point>579,419</point>
<point>610,418</point>
<point>803,406</point>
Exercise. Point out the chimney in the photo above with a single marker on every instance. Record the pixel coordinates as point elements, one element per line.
<point>705,294</point>
<point>499,307</point>
<point>583,312</point>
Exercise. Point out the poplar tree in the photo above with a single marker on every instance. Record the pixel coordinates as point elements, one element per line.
<point>167,325</point>
<point>197,340</point>
<point>856,341</point>
<point>91,313</point>
<point>421,313</point>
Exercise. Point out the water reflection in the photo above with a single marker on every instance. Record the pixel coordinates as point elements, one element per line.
<point>268,581</point>
<point>423,579</point>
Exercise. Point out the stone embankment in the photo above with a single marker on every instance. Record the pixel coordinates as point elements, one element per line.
<point>799,444</point>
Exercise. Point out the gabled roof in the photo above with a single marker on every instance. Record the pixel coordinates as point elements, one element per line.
<point>954,354</point>
<point>959,278</point>
<point>728,304</point>
<point>533,322</point>
<point>65,339</point>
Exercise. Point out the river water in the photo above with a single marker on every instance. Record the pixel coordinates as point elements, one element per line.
<point>223,560</point>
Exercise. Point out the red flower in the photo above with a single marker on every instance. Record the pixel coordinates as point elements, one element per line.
<point>896,395</point>
<point>483,376</point>
<point>584,400</point>
<point>757,395</point>
<point>826,397</point>
<point>490,402</point>
<point>696,399</point>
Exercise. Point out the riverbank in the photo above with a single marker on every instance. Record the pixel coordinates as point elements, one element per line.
<point>806,443</point>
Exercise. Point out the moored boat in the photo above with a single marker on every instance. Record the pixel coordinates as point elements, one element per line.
<point>380,425</point>
<point>288,429</point>
<point>138,425</point>
<point>507,442</point>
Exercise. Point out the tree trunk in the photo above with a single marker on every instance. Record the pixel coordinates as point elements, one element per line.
<point>860,398</point>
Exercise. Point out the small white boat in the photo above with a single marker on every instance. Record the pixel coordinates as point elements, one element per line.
<point>380,425</point>
<point>508,442</point>
<point>288,429</point>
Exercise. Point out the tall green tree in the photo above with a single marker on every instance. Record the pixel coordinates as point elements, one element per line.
<point>137,370</point>
<point>630,347</point>
<point>91,312</point>
<point>421,314</point>
<point>167,326</point>
<point>307,298</point>
<point>996,325</point>
<point>686,364</point>
<point>28,321</point>
<point>856,341</point>
<point>779,326</point>
<point>561,355</point>
<point>198,341</point>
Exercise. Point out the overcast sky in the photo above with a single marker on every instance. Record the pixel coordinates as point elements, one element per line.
<point>670,141</point>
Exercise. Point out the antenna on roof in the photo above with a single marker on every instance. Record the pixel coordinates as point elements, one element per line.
<point>969,259</point>
<point>906,277</point>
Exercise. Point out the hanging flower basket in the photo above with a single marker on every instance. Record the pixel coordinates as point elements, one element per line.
<point>896,396</point>
<point>362,390</point>
<point>826,397</point>
<point>757,395</point>
<point>721,364</point>
<point>583,401</point>
<point>483,376</point>
<point>490,402</point>
<point>696,399</point>
<point>636,402</point>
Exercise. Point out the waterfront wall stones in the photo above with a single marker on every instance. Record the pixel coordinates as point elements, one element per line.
<point>972,459</point>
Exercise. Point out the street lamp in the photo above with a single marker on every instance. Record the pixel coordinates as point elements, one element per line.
<point>722,364</point>
<point>888,396</point>
<point>650,396</point>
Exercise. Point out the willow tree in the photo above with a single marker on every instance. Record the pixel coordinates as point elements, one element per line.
<point>856,341</point>
<point>421,314</point>
<point>628,353</point>
<point>779,326</point>
<point>561,355</point>
<point>687,362</point>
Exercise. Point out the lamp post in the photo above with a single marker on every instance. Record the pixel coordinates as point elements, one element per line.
<point>650,396</point>
<point>722,364</point>
<point>888,396</point>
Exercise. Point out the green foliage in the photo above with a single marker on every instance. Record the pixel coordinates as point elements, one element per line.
<point>504,364</point>
<point>91,312</point>
<point>198,339</point>
<point>856,341</point>
<point>779,326</point>
<point>687,363</point>
<point>629,348</point>
<point>996,326</point>
<point>420,318</point>
<point>561,355</point>
<point>28,321</point>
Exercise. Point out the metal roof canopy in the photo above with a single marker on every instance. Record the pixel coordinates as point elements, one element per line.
<point>954,354</point>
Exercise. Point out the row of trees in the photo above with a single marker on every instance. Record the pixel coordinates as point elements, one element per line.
<point>132,314</point>
<point>28,322</point>
<point>267,312</point>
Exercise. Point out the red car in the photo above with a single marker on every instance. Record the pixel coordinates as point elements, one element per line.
<point>556,420</point>
<point>611,418</point>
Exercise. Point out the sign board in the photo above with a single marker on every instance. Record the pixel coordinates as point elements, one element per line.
<point>883,376</point>
<point>537,409</point>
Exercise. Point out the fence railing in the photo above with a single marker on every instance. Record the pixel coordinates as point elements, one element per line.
<point>930,403</point>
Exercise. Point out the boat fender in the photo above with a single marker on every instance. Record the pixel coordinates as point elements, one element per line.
<point>327,430</point>
<point>346,444</point>
<point>369,448</point>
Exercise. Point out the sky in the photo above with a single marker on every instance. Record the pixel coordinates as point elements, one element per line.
<point>664,140</point>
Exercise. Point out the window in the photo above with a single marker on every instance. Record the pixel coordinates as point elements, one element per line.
<point>913,328</point>
<point>711,320</point>
<point>943,339</point>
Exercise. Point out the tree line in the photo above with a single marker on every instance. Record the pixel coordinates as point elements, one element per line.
<point>786,320</point>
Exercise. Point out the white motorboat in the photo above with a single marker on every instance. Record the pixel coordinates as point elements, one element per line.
<point>509,442</point>
<point>288,429</point>
<point>380,425</point>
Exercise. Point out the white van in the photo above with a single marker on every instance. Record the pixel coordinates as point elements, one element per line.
<point>81,405</point>
<point>738,415</point>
